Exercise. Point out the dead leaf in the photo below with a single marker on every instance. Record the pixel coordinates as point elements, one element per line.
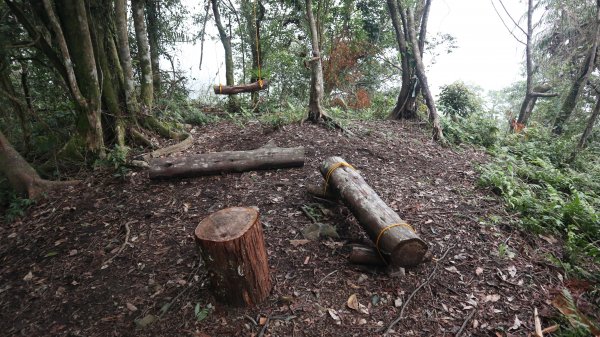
<point>565,304</point>
<point>146,321</point>
<point>131,307</point>
<point>352,302</point>
<point>478,271</point>
<point>262,320</point>
<point>452,269</point>
<point>512,270</point>
<point>335,316</point>
<point>297,243</point>
<point>492,298</point>
<point>517,324</point>
<point>28,277</point>
<point>398,302</point>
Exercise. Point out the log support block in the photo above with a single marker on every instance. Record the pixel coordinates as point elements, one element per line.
<point>398,243</point>
<point>233,249</point>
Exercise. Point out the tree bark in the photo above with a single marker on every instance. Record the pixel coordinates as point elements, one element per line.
<point>264,158</point>
<point>315,105</point>
<point>582,76</point>
<point>399,245</point>
<point>420,69</point>
<point>226,41</point>
<point>75,42</point>
<point>365,255</point>
<point>21,108</point>
<point>254,13</point>
<point>233,249</point>
<point>141,35</point>
<point>237,89</point>
<point>23,178</point>
<point>153,15</point>
<point>125,56</point>
<point>405,107</point>
<point>588,129</point>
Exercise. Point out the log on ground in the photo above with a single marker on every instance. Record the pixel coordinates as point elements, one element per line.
<point>264,158</point>
<point>398,243</point>
<point>241,88</point>
<point>233,249</point>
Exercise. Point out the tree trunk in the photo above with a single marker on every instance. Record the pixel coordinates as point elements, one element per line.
<point>141,35</point>
<point>7,88</point>
<point>233,249</point>
<point>315,104</point>
<point>226,41</point>
<point>264,158</point>
<point>236,89</point>
<point>125,56</point>
<point>420,68</point>
<point>582,76</point>
<point>406,107</point>
<point>254,12</point>
<point>75,41</point>
<point>588,129</point>
<point>153,15</point>
<point>394,238</point>
<point>22,177</point>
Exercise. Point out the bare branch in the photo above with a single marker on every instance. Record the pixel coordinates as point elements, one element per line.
<point>511,18</point>
<point>505,25</point>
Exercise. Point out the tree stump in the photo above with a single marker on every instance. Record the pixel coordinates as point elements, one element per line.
<point>395,239</point>
<point>233,249</point>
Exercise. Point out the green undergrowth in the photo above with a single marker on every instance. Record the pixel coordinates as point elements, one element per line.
<point>535,175</point>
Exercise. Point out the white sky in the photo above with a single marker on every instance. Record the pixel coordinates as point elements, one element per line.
<point>486,54</point>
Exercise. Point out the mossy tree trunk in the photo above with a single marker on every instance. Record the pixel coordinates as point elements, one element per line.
<point>141,34</point>
<point>422,76</point>
<point>21,109</point>
<point>226,41</point>
<point>153,15</point>
<point>23,178</point>
<point>316,112</point>
<point>74,28</point>
<point>125,56</point>
<point>254,13</point>
<point>587,67</point>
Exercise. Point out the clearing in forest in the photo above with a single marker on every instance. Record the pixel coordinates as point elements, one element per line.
<point>66,269</point>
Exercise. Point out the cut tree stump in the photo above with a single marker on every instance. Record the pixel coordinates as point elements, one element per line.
<point>263,158</point>
<point>238,89</point>
<point>233,249</point>
<point>399,245</point>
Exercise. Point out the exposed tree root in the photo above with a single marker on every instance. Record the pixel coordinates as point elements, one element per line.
<point>184,144</point>
<point>139,138</point>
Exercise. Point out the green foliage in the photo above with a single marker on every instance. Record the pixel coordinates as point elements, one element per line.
<point>533,176</point>
<point>283,116</point>
<point>458,99</point>
<point>17,208</point>
<point>116,160</point>
<point>476,129</point>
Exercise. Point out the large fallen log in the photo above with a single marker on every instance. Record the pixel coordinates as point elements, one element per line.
<point>264,158</point>
<point>238,89</point>
<point>394,238</point>
<point>233,249</point>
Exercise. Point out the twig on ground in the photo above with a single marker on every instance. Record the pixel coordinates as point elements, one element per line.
<point>538,324</point>
<point>326,276</point>
<point>464,325</point>
<point>394,322</point>
<point>128,231</point>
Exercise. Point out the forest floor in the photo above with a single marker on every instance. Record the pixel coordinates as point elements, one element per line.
<point>61,272</point>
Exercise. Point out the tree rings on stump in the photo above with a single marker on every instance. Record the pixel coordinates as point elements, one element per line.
<point>233,249</point>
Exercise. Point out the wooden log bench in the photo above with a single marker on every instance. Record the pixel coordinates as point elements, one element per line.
<point>395,240</point>
<point>264,158</point>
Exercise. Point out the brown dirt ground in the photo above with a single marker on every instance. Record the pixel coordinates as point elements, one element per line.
<point>52,280</point>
